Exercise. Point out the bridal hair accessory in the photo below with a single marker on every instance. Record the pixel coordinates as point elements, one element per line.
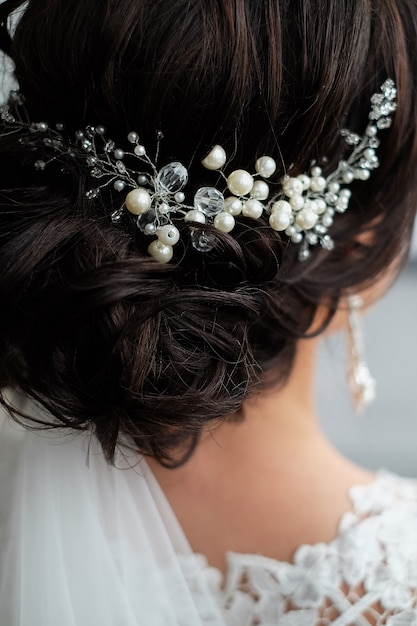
<point>361,383</point>
<point>303,207</point>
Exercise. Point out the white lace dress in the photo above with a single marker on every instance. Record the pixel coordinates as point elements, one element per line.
<point>82,544</point>
<point>367,575</point>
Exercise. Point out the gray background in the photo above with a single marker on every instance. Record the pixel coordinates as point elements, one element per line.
<point>386,436</point>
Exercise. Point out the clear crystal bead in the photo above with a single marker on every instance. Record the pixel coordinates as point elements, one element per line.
<point>172,177</point>
<point>384,122</point>
<point>92,193</point>
<point>86,145</point>
<point>209,201</point>
<point>201,241</point>
<point>331,198</point>
<point>7,117</point>
<point>16,96</point>
<point>116,216</point>
<point>312,238</point>
<point>351,138</point>
<point>145,219</point>
<point>386,108</point>
<point>303,254</point>
<point>109,146</point>
<point>386,87</point>
<point>377,98</point>
<point>121,168</point>
<point>57,144</point>
<point>327,243</point>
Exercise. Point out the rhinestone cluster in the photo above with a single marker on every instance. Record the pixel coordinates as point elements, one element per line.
<point>303,207</point>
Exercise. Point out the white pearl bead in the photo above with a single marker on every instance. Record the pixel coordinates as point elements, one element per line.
<point>279,220</point>
<point>224,222</point>
<point>132,137</point>
<point>371,131</point>
<point>316,171</point>
<point>179,196</point>
<point>260,190</point>
<point>292,187</point>
<point>195,216</point>
<point>252,208</point>
<point>363,174</point>
<point>334,187</point>
<point>321,206</point>
<point>282,206</point>
<point>296,238</point>
<point>345,193</point>
<point>139,150</point>
<point>297,202</point>
<point>306,219</point>
<point>348,177</point>
<point>265,166</point>
<point>342,204</point>
<point>290,231</point>
<point>317,183</point>
<point>233,205</point>
<point>163,208</point>
<point>138,201</point>
<point>168,234</point>
<point>305,180</point>
<point>327,220</point>
<point>119,185</point>
<point>150,229</point>
<point>311,205</point>
<point>215,159</point>
<point>240,182</point>
<point>160,252</point>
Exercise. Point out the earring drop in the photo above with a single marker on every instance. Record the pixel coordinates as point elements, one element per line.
<point>361,383</point>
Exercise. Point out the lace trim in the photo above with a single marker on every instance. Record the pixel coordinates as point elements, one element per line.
<point>366,575</point>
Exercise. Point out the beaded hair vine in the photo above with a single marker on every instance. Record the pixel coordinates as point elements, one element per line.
<point>303,207</point>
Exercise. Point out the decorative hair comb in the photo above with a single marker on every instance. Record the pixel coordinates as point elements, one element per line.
<point>303,207</point>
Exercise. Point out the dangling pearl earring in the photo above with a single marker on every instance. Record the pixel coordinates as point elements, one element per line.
<point>361,383</point>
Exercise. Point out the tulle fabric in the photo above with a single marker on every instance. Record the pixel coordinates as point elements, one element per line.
<point>85,544</point>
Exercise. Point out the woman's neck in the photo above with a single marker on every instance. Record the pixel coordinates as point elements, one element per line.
<point>280,417</point>
<point>272,465</point>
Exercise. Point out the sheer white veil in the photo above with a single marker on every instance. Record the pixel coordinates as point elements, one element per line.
<point>86,544</point>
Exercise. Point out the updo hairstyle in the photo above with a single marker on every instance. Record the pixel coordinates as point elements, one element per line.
<point>91,327</point>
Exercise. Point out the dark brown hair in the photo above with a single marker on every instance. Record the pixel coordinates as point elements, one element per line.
<point>94,329</point>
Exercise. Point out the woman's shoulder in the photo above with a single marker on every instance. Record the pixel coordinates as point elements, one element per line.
<point>367,573</point>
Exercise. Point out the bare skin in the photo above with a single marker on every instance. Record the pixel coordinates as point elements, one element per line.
<point>267,484</point>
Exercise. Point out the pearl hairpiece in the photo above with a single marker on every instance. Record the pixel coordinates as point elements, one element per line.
<point>303,207</point>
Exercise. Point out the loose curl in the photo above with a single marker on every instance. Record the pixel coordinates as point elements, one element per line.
<point>95,330</point>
